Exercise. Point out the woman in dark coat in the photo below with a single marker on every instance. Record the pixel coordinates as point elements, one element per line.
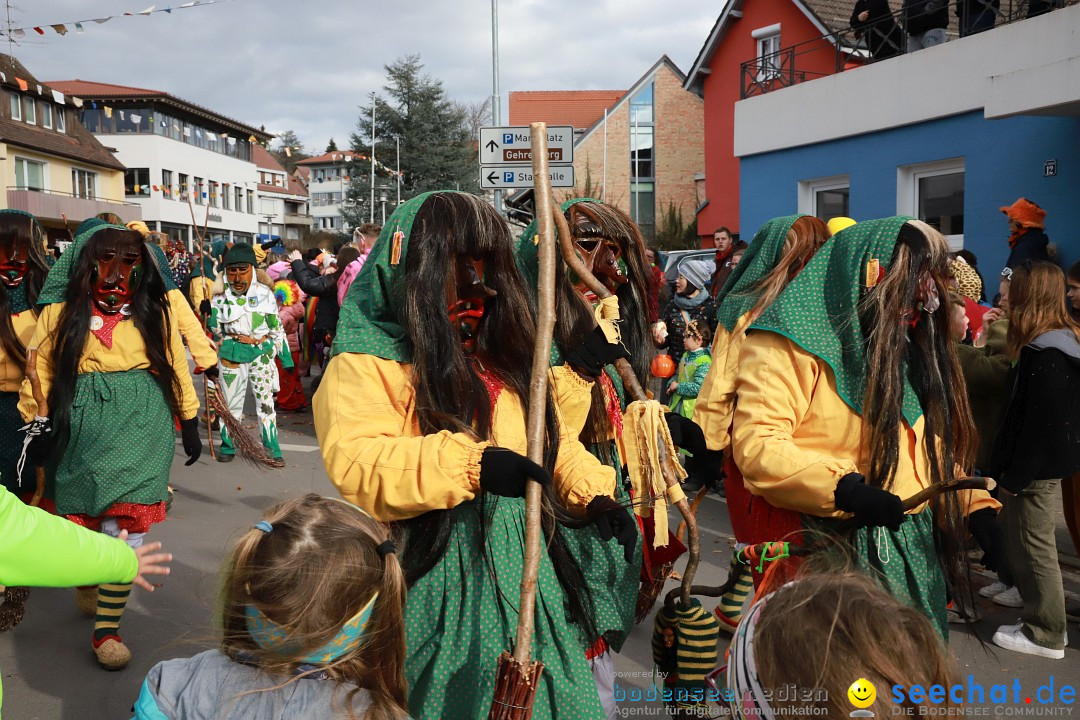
<point>874,20</point>
<point>1028,240</point>
<point>1038,443</point>
<point>325,289</point>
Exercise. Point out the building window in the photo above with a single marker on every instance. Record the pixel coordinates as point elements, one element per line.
<point>200,191</point>
<point>30,110</point>
<point>184,189</point>
<point>29,175</point>
<point>825,198</point>
<point>137,182</point>
<point>166,184</point>
<point>934,193</point>
<point>16,107</point>
<point>61,123</point>
<point>83,183</point>
<point>238,193</point>
<point>251,202</point>
<point>643,207</point>
<point>46,115</point>
<point>225,198</point>
<point>215,188</point>
<point>768,51</point>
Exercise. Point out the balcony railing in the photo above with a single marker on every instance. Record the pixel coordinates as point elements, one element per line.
<point>298,219</point>
<point>851,47</point>
<point>54,205</point>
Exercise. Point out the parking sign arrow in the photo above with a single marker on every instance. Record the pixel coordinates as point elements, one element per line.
<point>492,177</point>
<point>492,145</point>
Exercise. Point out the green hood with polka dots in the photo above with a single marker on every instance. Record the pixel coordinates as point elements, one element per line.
<point>818,311</point>
<point>370,320</point>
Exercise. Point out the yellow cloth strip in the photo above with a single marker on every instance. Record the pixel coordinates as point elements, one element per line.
<point>644,429</point>
<point>607,318</point>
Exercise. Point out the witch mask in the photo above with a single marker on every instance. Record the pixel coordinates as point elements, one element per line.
<point>239,276</point>
<point>466,297</point>
<point>601,255</point>
<point>118,267</point>
<point>13,262</point>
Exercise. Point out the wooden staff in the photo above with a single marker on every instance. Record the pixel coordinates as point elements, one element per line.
<point>42,411</point>
<point>209,422</point>
<point>518,676</point>
<point>845,526</point>
<point>634,389</point>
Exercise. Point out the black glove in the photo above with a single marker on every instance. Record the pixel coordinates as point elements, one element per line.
<point>686,433</point>
<point>211,372</point>
<point>189,436</point>
<point>41,444</point>
<point>204,308</point>
<point>613,521</point>
<point>706,468</point>
<point>984,528</point>
<point>871,506</point>
<point>504,472</point>
<point>594,353</point>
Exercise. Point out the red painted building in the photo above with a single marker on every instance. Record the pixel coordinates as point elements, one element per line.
<point>754,46</point>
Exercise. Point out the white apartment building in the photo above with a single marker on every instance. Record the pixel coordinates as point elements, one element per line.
<point>282,200</point>
<point>328,183</point>
<point>187,166</point>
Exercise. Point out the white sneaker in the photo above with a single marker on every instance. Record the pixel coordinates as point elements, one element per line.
<point>1009,598</point>
<point>995,588</point>
<point>1011,637</point>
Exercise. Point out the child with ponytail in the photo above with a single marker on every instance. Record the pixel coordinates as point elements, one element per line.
<point>312,614</point>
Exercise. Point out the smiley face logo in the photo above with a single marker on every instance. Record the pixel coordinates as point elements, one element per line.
<point>862,693</point>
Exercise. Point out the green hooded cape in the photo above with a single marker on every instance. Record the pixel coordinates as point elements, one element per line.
<point>818,311</point>
<point>370,322</point>
<point>740,292</point>
<point>55,288</point>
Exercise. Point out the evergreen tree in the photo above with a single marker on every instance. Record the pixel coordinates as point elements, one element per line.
<point>437,150</point>
<point>295,154</point>
<point>331,146</point>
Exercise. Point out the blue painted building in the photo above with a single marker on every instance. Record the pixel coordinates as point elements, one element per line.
<point>949,134</point>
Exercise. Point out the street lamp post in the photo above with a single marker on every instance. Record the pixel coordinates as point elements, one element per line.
<point>270,225</point>
<point>371,219</point>
<point>382,200</point>
<point>495,103</point>
<point>397,141</point>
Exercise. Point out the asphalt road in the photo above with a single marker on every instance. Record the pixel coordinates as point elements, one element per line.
<point>49,671</point>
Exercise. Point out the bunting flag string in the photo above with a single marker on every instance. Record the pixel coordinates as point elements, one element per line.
<point>62,29</point>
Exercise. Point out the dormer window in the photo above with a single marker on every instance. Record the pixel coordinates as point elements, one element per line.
<point>30,110</point>
<point>16,107</point>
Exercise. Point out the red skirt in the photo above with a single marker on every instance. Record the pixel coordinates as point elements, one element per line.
<point>291,396</point>
<point>753,520</point>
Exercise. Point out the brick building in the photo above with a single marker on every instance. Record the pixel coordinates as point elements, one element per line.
<point>644,155</point>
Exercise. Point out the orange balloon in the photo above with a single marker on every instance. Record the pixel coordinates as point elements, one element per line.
<point>662,366</point>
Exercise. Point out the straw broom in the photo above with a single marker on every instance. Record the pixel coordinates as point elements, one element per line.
<point>633,389</point>
<point>518,675</point>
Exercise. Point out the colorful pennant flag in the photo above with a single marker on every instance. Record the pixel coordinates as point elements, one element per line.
<point>78,27</point>
<point>56,94</point>
<point>39,31</point>
<point>22,84</point>
<point>288,151</point>
<point>252,139</point>
<point>19,34</point>
<point>108,111</point>
<point>60,29</point>
<point>77,102</point>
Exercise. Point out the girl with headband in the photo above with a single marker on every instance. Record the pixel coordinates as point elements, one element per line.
<point>313,619</point>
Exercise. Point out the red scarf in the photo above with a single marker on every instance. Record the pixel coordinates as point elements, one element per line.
<point>108,323</point>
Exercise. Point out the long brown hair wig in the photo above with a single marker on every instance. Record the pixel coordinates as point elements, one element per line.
<point>16,230</point>
<point>149,312</point>
<point>450,394</point>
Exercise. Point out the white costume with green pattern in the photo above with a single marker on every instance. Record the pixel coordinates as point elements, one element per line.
<point>252,315</point>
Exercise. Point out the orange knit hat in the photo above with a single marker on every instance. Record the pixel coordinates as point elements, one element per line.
<point>1025,212</point>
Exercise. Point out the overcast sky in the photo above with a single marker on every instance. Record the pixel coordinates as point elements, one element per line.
<point>306,65</point>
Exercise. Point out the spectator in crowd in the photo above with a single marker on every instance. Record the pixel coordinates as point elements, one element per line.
<point>874,20</point>
<point>976,16</point>
<point>725,247</point>
<point>1073,281</point>
<point>1036,446</point>
<point>969,257</point>
<point>842,627</point>
<point>1027,239</point>
<point>364,238</point>
<point>693,368</point>
<point>690,303</point>
<point>1039,7</point>
<point>925,22</point>
<point>291,314</point>
<point>323,284</point>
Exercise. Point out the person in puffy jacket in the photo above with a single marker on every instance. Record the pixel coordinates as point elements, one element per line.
<point>323,287</point>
